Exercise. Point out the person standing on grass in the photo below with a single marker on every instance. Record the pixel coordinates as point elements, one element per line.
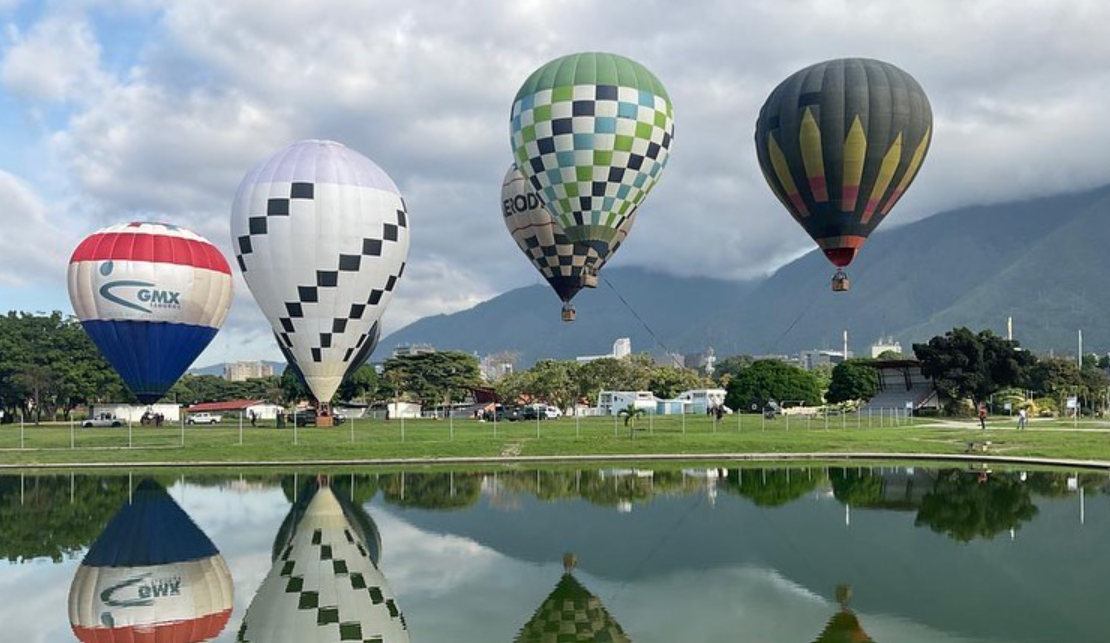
<point>982,415</point>
<point>1022,418</point>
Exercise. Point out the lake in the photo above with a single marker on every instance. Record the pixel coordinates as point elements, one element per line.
<point>800,554</point>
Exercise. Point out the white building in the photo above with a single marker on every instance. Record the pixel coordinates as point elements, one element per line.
<point>811,359</point>
<point>126,412</point>
<point>409,350</point>
<point>613,402</point>
<point>883,345</point>
<point>243,371</point>
<point>699,401</point>
<point>621,348</point>
<point>705,361</point>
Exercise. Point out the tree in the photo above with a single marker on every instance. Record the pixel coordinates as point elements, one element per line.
<point>362,382</point>
<point>293,388</point>
<point>770,379</point>
<point>668,381</point>
<point>965,364</point>
<point>889,355</point>
<point>855,379</point>
<point>1054,377</point>
<point>631,373</point>
<point>728,368</point>
<point>433,378</point>
<point>630,413</point>
<point>554,382</point>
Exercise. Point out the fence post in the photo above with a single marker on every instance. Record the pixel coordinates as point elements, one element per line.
<point>683,419</point>
<point>294,425</point>
<point>577,423</point>
<point>72,435</point>
<point>129,429</point>
<point>21,431</point>
<point>615,425</point>
<point>181,418</point>
<point>240,428</point>
<point>353,420</point>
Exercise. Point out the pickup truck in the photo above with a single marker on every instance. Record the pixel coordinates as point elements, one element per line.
<point>102,420</point>
<point>204,418</point>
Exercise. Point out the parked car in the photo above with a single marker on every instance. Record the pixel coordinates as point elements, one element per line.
<point>552,412</point>
<point>204,418</point>
<point>102,420</point>
<point>507,413</point>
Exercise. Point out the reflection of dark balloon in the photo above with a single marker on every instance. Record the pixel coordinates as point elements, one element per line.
<point>839,143</point>
<point>151,575</point>
<point>844,626</point>
<point>365,528</point>
<point>571,613</point>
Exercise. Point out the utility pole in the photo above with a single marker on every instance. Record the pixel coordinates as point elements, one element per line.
<point>1080,349</point>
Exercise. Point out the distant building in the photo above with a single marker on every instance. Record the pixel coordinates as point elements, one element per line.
<point>494,367</point>
<point>699,401</point>
<point>409,350</point>
<point>243,371</point>
<point>621,348</point>
<point>261,409</point>
<point>811,359</point>
<point>705,361</point>
<point>884,345</point>
<point>670,359</point>
<point>786,359</point>
<point>613,402</point>
<point>126,412</point>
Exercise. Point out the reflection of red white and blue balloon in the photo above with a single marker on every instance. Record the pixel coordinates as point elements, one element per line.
<point>151,576</point>
<point>151,296</point>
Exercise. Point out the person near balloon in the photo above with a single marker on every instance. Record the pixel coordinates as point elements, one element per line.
<point>982,416</point>
<point>1022,419</point>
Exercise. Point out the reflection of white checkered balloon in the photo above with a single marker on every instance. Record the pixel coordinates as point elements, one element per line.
<point>321,235</point>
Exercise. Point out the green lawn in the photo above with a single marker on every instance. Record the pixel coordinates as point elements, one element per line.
<point>432,439</point>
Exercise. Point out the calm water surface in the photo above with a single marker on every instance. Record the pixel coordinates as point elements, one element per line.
<point>750,555</point>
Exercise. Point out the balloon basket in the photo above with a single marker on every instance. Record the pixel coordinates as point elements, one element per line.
<point>569,314</point>
<point>841,282</point>
<point>324,420</point>
<point>589,280</point>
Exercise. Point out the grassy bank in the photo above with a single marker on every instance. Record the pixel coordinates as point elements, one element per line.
<point>51,444</point>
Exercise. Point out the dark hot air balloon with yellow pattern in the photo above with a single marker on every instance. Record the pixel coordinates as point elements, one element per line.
<point>839,143</point>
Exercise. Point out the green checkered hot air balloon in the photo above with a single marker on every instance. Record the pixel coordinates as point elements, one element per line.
<point>592,133</point>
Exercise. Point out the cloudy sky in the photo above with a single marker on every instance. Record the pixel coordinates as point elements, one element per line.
<point>131,109</point>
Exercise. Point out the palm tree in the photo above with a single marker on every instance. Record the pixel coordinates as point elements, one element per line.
<point>630,413</point>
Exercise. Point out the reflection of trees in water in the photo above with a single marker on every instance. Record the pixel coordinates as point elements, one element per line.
<point>773,487</point>
<point>605,488</point>
<point>965,505</point>
<point>431,490</point>
<point>46,524</point>
<point>1052,484</point>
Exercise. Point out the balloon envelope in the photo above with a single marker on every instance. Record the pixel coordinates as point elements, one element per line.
<point>321,235</point>
<point>541,239</point>
<point>839,143</point>
<point>151,576</point>
<point>151,296</point>
<point>592,132</point>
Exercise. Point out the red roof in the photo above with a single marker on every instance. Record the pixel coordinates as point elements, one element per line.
<point>230,405</point>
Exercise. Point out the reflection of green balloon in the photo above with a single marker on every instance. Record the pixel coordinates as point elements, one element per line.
<point>592,133</point>
<point>571,613</point>
<point>839,143</point>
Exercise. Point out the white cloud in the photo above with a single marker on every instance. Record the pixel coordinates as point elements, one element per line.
<point>32,247</point>
<point>57,59</point>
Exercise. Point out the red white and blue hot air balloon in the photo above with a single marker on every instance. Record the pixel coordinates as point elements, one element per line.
<point>151,296</point>
<point>152,576</point>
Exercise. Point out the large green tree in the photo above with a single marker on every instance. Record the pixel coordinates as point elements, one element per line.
<point>668,381</point>
<point>973,365</point>
<point>855,379</point>
<point>554,382</point>
<point>433,378</point>
<point>772,380</point>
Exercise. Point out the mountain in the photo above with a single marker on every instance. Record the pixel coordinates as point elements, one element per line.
<point>1033,260</point>
<point>218,369</point>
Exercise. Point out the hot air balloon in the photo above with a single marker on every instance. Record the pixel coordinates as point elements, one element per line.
<point>324,587</point>
<point>592,133</point>
<point>571,613</point>
<point>561,261</point>
<point>321,235</point>
<point>839,143</point>
<point>151,296</point>
<point>151,576</point>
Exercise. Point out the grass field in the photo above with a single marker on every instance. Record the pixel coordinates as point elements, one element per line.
<point>363,439</point>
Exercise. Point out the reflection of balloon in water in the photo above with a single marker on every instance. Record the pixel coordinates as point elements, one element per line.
<point>571,613</point>
<point>321,235</point>
<point>561,262</point>
<point>839,143</point>
<point>365,529</point>
<point>151,296</point>
<point>592,132</point>
<point>151,576</point>
<point>324,586</point>
<point>844,626</point>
